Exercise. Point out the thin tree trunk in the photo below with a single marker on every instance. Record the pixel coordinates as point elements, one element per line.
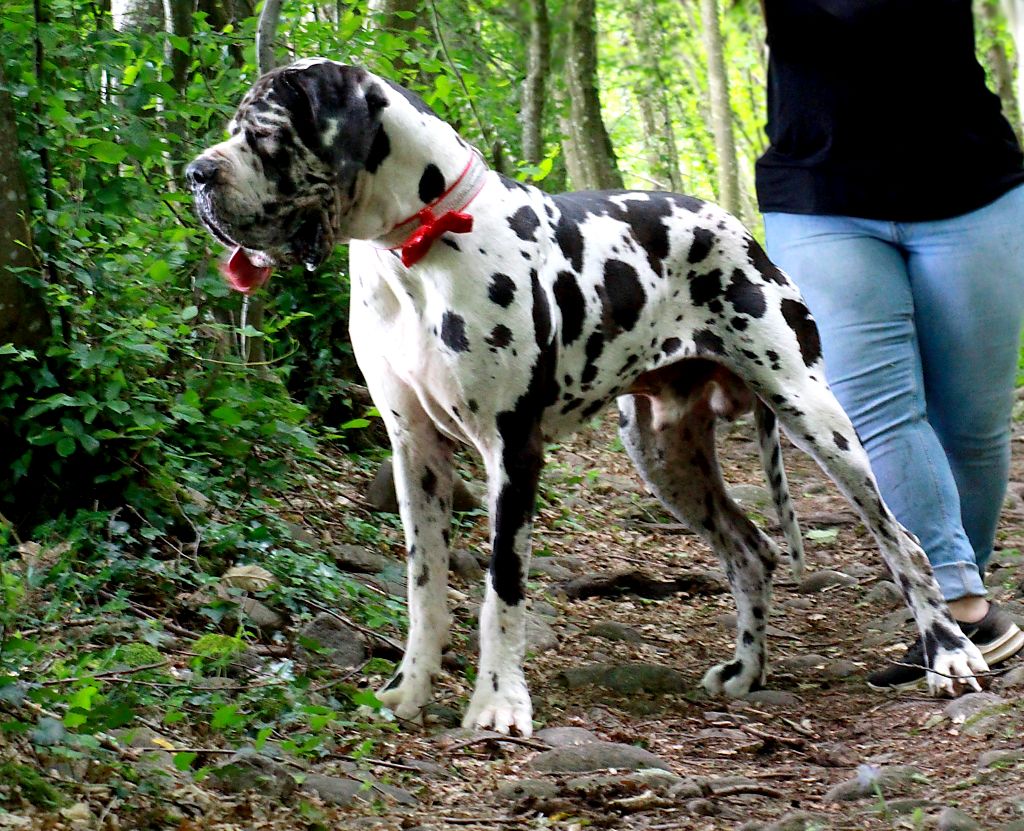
<point>721,112</point>
<point>266,31</point>
<point>23,317</point>
<point>538,65</point>
<point>999,62</point>
<point>596,157</point>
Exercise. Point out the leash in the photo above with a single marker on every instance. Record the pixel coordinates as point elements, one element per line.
<point>415,235</point>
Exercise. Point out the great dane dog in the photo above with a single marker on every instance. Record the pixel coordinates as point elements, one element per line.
<point>486,312</point>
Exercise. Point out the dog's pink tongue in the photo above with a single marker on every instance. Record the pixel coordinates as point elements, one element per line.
<point>242,275</point>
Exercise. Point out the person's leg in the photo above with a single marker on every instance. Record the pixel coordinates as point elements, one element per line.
<point>854,279</point>
<point>967,280</point>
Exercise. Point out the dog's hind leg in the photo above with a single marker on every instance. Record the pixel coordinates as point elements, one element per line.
<point>424,479</point>
<point>816,423</point>
<point>501,700</point>
<point>668,429</point>
<point>774,470</point>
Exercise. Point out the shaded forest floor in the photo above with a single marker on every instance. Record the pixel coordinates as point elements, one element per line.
<point>777,761</point>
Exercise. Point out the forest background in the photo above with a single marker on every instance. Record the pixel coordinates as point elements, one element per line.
<point>154,428</point>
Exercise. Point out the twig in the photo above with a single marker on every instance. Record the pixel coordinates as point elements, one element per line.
<point>112,673</point>
<point>771,737</point>
<point>760,790</point>
<point>349,622</point>
<point>497,738</point>
<point>485,821</point>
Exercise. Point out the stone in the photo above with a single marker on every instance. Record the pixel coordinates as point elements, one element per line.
<point>336,790</point>
<point>628,678</point>
<point>859,571</point>
<point>548,567</point>
<point>598,784</point>
<point>751,496</point>
<point>252,772</point>
<point>518,789</point>
<point>565,736</point>
<point>1012,680</point>
<point>613,631</point>
<point>260,615</point>
<point>334,642</point>
<point>953,819</point>
<point>892,781</point>
<point>1000,758</point>
<point>446,716</point>
<point>583,758</point>
<point>798,821</point>
<point>823,579</point>
<point>884,592</point>
<point>778,698</point>
<point>966,706</point>
<point>356,559</point>
<point>541,607</point>
<point>465,565</point>
<point>380,496</point>
<point>540,636</point>
<point>801,664</point>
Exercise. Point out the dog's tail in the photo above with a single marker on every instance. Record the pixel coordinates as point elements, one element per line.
<point>775,471</point>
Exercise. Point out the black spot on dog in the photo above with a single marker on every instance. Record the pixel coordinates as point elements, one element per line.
<point>431,183</point>
<point>418,103</point>
<point>707,341</point>
<point>746,297</point>
<point>748,638</point>
<point>423,577</point>
<point>706,287</point>
<point>502,290</point>
<point>379,150</point>
<point>473,405</point>
<point>623,297</point>
<point>500,337</point>
<point>571,304</point>
<point>840,441</point>
<point>394,682</point>
<point>453,332</point>
<point>765,267</point>
<point>703,242</point>
<point>512,184</point>
<point>671,345</point>
<point>429,482</point>
<point>738,323</point>
<point>525,223</point>
<point>541,311</point>
<point>800,321</point>
<point>450,243</point>
<point>593,350</point>
<point>730,670</point>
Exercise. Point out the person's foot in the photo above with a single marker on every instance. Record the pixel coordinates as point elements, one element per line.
<point>996,635</point>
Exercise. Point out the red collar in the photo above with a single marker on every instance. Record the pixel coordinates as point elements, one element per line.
<point>415,235</point>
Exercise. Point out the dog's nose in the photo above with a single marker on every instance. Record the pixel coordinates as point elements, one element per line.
<point>201,172</point>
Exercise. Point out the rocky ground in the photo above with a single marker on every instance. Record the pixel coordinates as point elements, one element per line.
<point>627,612</point>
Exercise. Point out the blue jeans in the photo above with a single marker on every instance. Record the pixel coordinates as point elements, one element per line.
<point>920,328</point>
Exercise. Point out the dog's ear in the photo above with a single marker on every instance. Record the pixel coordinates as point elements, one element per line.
<point>336,110</point>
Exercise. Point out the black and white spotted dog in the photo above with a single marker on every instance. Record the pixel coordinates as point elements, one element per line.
<point>488,313</point>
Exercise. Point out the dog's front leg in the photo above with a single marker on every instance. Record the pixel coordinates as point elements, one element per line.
<point>424,478</point>
<point>501,700</point>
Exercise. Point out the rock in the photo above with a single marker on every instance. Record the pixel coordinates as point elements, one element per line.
<point>465,565</point>
<point>336,790</point>
<point>953,819</point>
<point>1000,758</point>
<point>895,621</point>
<point>358,560</point>
<point>565,736</point>
<point>333,643</point>
<point>440,714</point>
<point>548,567</point>
<point>599,784</point>
<point>798,821</point>
<point>966,706</point>
<point>859,571</point>
<point>629,678</point>
<point>541,607</point>
<point>1012,680</point>
<point>751,496</point>
<point>824,579</point>
<point>884,592</point>
<point>154,754</point>
<point>635,581</point>
<point>301,534</point>
<point>261,615</point>
<point>595,756</point>
<point>778,698</point>
<point>839,668</point>
<point>248,772</point>
<point>540,637</point>
<point>612,631</point>
<point>517,789</point>
<point>801,664</point>
<point>380,496</point>
<point>892,781</point>
<point>248,578</point>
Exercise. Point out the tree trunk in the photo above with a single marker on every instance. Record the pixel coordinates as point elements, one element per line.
<point>137,15</point>
<point>266,31</point>
<point>721,112</point>
<point>23,317</point>
<point>597,165</point>
<point>538,65</point>
<point>999,62</point>
<point>178,21</point>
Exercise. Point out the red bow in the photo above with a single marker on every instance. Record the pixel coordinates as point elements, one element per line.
<point>416,247</point>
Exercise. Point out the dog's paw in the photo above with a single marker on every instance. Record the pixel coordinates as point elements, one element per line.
<point>954,670</point>
<point>407,694</point>
<point>734,679</point>
<point>506,709</point>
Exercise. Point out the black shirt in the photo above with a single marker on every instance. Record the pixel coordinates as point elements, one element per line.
<point>879,109</point>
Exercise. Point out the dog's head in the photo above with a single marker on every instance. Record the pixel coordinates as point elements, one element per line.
<point>278,189</point>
